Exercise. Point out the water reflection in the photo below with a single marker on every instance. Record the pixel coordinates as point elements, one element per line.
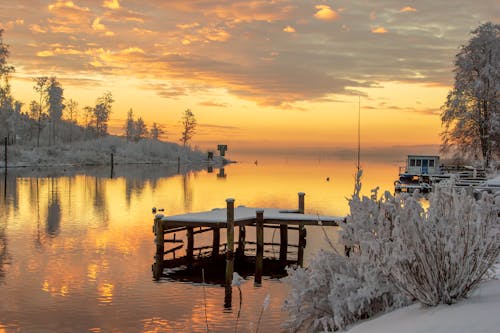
<point>53,209</point>
<point>76,246</point>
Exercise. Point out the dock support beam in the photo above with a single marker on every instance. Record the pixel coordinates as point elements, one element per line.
<point>302,245</point>
<point>259,255</point>
<point>216,242</point>
<point>190,245</point>
<point>229,253</point>
<point>160,248</point>
<point>240,251</point>
<point>283,242</point>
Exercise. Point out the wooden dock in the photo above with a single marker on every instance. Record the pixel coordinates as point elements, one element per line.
<point>228,218</point>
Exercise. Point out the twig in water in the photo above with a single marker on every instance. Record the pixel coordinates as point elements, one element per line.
<point>237,281</point>
<point>265,305</point>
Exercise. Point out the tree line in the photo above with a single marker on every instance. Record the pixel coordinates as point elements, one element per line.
<point>50,118</point>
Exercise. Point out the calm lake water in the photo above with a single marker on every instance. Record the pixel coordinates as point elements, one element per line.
<point>76,247</point>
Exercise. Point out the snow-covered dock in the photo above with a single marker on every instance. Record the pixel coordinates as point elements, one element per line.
<point>241,217</point>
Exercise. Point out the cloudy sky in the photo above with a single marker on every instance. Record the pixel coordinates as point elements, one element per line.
<point>255,73</point>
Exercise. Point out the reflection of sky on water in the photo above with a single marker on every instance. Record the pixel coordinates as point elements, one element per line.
<point>76,249</point>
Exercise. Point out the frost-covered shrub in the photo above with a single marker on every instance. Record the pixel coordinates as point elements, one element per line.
<point>398,252</point>
<point>334,290</point>
<point>437,256</point>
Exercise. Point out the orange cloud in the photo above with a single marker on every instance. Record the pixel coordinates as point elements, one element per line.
<point>289,28</point>
<point>111,4</point>
<point>37,29</point>
<point>407,9</point>
<point>379,30</point>
<point>325,13</point>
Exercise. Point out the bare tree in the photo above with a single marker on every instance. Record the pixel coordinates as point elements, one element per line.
<point>130,125</point>
<point>72,115</point>
<point>188,122</point>
<point>471,115</point>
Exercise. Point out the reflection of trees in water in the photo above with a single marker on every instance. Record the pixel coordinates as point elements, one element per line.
<point>54,208</point>
<point>133,186</point>
<point>99,200</point>
<point>187,191</point>
<point>3,250</point>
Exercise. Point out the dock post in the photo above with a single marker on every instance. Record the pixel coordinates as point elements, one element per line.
<point>229,253</point>
<point>190,245</point>
<point>302,244</point>
<point>112,165</point>
<point>160,248</point>
<point>259,255</point>
<point>283,242</point>
<point>301,202</point>
<point>240,251</point>
<point>216,242</point>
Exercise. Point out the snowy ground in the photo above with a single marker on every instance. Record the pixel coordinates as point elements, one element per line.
<point>98,152</point>
<point>480,313</point>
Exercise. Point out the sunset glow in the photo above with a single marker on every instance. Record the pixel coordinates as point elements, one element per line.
<point>272,74</point>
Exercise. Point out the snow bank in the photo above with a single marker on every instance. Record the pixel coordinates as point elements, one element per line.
<point>478,314</point>
<point>98,152</point>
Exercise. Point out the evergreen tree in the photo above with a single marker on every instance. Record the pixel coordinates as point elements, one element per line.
<point>188,127</point>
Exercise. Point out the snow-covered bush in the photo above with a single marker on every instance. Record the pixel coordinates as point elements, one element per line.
<point>439,255</point>
<point>334,290</point>
<point>398,252</point>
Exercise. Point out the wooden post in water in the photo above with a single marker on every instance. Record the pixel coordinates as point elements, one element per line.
<point>216,242</point>
<point>190,245</point>
<point>178,164</point>
<point>240,251</point>
<point>283,242</point>
<point>160,248</point>
<point>5,174</point>
<point>229,253</point>
<point>302,244</point>
<point>259,254</point>
<point>301,202</point>
<point>112,164</point>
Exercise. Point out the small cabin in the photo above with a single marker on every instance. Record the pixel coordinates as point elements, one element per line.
<point>422,165</point>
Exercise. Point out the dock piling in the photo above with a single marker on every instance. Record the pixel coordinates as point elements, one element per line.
<point>190,245</point>
<point>259,255</point>
<point>240,251</point>
<point>160,248</point>
<point>216,242</point>
<point>301,202</point>
<point>283,242</point>
<point>229,252</point>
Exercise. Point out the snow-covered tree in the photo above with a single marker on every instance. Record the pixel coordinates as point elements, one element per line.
<point>130,125</point>
<point>471,114</point>
<point>141,130</point>
<point>40,87</point>
<point>100,114</point>
<point>6,99</point>
<point>156,131</point>
<point>188,123</point>
<point>54,99</point>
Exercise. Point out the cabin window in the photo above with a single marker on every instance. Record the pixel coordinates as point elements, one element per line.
<point>419,163</point>
<point>412,162</point>
<point>431,163</point>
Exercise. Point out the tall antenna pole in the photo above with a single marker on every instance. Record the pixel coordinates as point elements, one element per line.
<point>359,132</point>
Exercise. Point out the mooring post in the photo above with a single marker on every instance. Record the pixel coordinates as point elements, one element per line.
<point>301,202</point>
<point>229,252</point>
<point>283,242</point>
<point>5,155</point>
<point>240,251</point>
<point>302,244</point>
<point>160,248</point>
<point>190,245</point>
<point>259,253</point>
<point>216,242</point>
<point>178,164</point>
<point>112,164</point>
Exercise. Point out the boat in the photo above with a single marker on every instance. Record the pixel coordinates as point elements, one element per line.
<point>418,174</point>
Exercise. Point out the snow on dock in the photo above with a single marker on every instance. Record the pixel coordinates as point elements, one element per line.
<point>246,216</point>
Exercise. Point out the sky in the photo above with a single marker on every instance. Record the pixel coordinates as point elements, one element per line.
<point>258,75</point>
